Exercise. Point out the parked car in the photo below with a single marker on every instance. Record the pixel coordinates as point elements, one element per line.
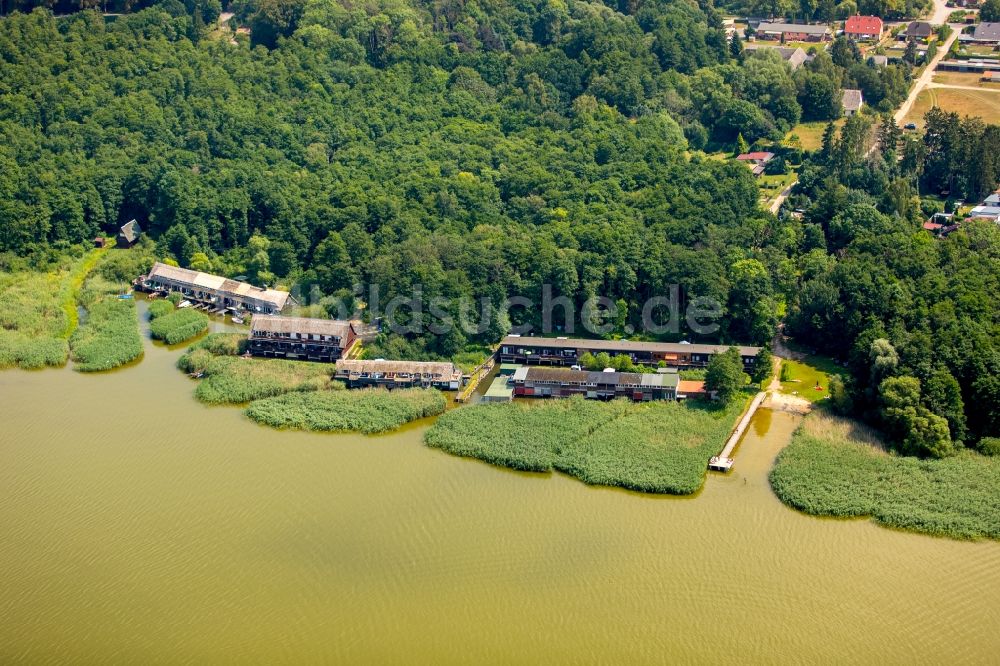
<point>910,126</point>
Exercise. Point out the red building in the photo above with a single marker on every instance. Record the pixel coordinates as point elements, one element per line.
<point>863,27</point>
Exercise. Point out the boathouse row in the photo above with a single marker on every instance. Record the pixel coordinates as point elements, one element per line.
<point>215,291</point>
<point>357,373</point>
<point>567,351</point>
<point>300,338</point>
<point>564,382</point>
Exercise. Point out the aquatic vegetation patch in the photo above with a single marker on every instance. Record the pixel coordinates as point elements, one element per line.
<point>109,337</point>
<point>836,467</point>
<point>660,447</point>
<point>159,308</point>
<point>369,411</point>
<point>178,326</point>
<point>238,380</point>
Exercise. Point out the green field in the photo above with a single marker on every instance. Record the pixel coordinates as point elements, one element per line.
<point>837,467</point>
<point>660,447</point>
<point>984,104</point>
<point>369,411</point>
<point>802,377</point>
<point>809,135</point>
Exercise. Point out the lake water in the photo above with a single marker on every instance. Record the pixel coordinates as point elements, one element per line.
<point>138,526</point>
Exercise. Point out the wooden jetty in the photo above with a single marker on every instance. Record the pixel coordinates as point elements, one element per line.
<point>724,461</point>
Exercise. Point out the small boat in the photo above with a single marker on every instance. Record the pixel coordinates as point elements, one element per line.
<point>184,304</point>
<point>237,319</point>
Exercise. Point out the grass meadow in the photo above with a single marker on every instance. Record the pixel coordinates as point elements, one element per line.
<point>837,467</point>
<point>660,447</point>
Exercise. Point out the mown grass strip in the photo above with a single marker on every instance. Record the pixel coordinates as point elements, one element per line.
<point>836,467</point>
<point>660,447</point>
<point>368,411</point>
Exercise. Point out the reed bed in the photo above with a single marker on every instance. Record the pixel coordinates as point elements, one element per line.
<point>660,447</point>
<point>176,327</point>
<point>835,467</point>
<point>368,411</point>
<point>159,308</point>
<point>236,380</point>
<point>109,337</point>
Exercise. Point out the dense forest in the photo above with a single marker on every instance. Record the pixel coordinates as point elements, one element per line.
<point>486,150</point>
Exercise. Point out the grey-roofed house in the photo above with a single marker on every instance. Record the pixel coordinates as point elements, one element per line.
<point>306,339</point>
<point>793,32</point>
<point>364,373</point>
<point>852,101</point>
<point>565,382</point>
<point>917,30</point>
<point>987,33</point>
<point>128,234</point>
<point>880,60</point>
<point>794,57</point>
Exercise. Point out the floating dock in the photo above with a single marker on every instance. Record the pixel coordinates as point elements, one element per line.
<point>724,461</point>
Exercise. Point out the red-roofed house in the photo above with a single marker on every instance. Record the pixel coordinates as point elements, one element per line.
<point>756,161</point>
<point>863,27</point>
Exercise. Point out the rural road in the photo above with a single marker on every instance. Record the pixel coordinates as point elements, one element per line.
<point>781,197</point>
<point>927,76</point>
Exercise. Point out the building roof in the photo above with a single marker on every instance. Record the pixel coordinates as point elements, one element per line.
<point>624,345</point>
<point>794,57</point>
<point>880,60</point>
<point>690,386</point>
<point>863,25</point>
<point>987,32</point>
<point>755,157</point>
<point>985,210</point>
<point>852,100</point>
<point>570,376</point>
<point>442,369</point>
<point>918,29</point>
<point>276,324</point>
<point>274,297</point>
<point>992,200</point>
<point>131,231</point>
<point>932,226</point>
<point>804,28</point>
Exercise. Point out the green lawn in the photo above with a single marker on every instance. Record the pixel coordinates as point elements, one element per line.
<point>802,377</point>
<point>809,136</point>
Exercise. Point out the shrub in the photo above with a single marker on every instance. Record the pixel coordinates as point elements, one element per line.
<point>175,298</point>
<point>660,447</point>
<point>109,338</point>
<point>178,326</point>
<point>989,446</point>
<point>836,467</point>
<point>369,411</point>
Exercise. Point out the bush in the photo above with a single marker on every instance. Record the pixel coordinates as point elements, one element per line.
<point>175,298</point>
<point>659,447</point>
<point>989,446</point>
<point>836,467</point>
<point>109,338</point>
<point>369,411</point>
<point>178,326</point>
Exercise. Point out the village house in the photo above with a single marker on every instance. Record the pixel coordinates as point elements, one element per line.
<point>917,30</point>
<point>879,60</point>
<point>324,340</point>
<point>852,101</point>
<point>991,77</point>
<point>756,161</point>
<point>399,374</point>
<point>528,350</point>
<point>129,234</point>
<point>991,213</point>
<point>793,32</point>
<point>985,33</point>
<point>565,382</point>
<point>860,28</point>
<point>795,57</point>
<point>992,200</point>
<point>218,293</point>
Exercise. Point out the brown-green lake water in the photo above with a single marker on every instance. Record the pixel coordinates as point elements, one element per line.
<point>138,526</point>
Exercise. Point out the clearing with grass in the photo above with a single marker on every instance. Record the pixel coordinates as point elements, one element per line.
<point>983,103</point>
<point>838,467</point>
<point>369,411</point>
<point>660,447</point>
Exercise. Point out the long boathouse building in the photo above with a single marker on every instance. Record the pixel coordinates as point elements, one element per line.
<point>565,382</point>
<point>357,373</point>
<point>300,338</point>
<point>215,291</point>
<point>567,351</point>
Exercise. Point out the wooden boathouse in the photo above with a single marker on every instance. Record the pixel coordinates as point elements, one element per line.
<point>565,382</point>
<point>567,351</point>
<point>358,373</point>
<point>300,338</point>
<point>215,292</point>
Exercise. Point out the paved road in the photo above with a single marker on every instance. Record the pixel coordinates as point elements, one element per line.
<point>927,76</point>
